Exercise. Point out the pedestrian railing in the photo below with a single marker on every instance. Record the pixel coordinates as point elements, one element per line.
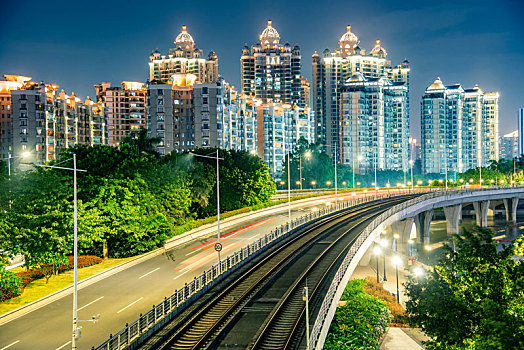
<point>135,332</point>
<point>328,299</point>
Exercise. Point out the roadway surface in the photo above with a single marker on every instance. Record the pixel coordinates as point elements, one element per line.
<point>121,298</point>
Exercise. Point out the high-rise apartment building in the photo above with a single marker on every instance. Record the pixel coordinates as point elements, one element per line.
<point>185,58</point>
<point>271,71</point>
<point>10,83</point>
<point>280,126</point>
<point>126,109</point>
<point>305,93</point>
<point>239,121</point>
<point>374,129</point>
<point>333,68</point>
<point>170,113</point>
<point>509,145</point>
<point>45,122</point>
<point>459,128</point>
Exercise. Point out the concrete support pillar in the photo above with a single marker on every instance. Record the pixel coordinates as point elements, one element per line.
<point>367,256</point>
<point>403,228</point>
<point>511,208</point>
<point>453,214</point>
<point>481,212</point>
<point>422,224</point>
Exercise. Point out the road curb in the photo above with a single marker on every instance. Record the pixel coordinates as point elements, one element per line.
<point>185,237</point>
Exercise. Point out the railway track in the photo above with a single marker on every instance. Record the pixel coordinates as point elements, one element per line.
<point>202,329</point>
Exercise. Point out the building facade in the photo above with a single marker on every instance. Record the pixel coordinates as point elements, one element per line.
<point>374,129</point>
<point>333,68</point>
<point>280,126</point>
<point>509,145</point>
<point>459,128</point>
<point>10,83</point>
<point>126,109</point>
<point>271,71</point>
<point>46,122</point>
<point>185,58</point>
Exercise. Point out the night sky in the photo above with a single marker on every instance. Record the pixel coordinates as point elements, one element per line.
<point>77,44</point>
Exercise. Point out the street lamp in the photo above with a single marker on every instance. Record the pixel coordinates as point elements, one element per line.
<point>377,252</point>
<point>384,244</point>
<point>397,262</point>
<point>76,330</point>
<point>428,249</point>
<point>218,200</point>
<point>359,158</point>
<point>419,271</point>
<point>328,183</point>
<point>313,183</point>
<point>412,144</point>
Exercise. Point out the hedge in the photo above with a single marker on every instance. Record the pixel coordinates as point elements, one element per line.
<point>9,285</point>
<point>400,316</point>
<point>361,323</point>
<point>9,289</point>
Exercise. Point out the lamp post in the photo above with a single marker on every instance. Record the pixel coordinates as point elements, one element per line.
<point>396,262</point>
<point>359,158</point>
<point>218,198</point>
<point>9,157</point>
<point>384,243</point>
<point>377,251</point>
<point>307,154</point>
<point>75,247</point>
<point>412,145</point>
<point>335,171</point>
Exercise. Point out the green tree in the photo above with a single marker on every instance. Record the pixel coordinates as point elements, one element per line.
<point>473,298</point>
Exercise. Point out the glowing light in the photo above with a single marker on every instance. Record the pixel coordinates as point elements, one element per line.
<point>314,209</point>
<point>132,85</point>
<point>396,260</point>
<point>377,250</point>
<point>396,236</point>
<point>419,271</point>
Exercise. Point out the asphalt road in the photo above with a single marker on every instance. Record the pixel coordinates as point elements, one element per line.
<point>121,297</point>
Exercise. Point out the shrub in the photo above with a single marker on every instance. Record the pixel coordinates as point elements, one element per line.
<point>9,285</point>
<point>29,276</point>
<point>400,316</point>
<point>361,323</point>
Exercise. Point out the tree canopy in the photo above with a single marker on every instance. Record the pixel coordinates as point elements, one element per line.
<point>473,298</point>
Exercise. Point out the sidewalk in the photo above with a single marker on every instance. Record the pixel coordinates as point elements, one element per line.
<point>396,338</point>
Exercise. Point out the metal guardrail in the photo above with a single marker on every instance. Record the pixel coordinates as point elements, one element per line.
<point>171,306</point>
<point>324,309</point>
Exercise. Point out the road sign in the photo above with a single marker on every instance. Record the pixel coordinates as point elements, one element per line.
<point>218,247</point>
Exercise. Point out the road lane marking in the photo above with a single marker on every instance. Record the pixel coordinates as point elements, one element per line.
<point>239,232</point>
<point>183,273</point>
<point>150,272</point>
<point>8,346</point>
<point>250,238</point>
<point>94,301</point>
<point>228,233</point>
<point>193,252</point>
<point>133,303</point>
<point>181,267</point>
<point>63,346</point>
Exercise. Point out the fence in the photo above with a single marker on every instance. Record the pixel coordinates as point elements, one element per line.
<point>328,299</point>
<point>159,315</point>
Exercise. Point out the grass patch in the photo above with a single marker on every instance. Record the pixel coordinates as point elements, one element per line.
<point>38,288</point>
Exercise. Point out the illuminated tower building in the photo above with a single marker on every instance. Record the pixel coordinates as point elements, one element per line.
<point>185,58</point>
<point>125,107</point>
<point>11,82</point>
<point>333,69</point>
<point>271,71</point>
<point>46,122</point>
<point>374,124</point>
<point>509,145</point>
<point>460,128</point>
<point>305,93</point>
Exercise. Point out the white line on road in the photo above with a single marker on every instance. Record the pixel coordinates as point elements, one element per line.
<point>94,301</point>
<point>253,236</point>
<point>134,302</point>
<point>150,272</point>
<point>193,252</point>
<point>63,346</point>
<point>182,274</point>
<point>13,343</point>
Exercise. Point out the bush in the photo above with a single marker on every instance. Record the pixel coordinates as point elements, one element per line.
<point>83,261</point>
<point>361,323</point>
<point>400,316</point>
<point>9,285</point>
<point>29,276</point>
